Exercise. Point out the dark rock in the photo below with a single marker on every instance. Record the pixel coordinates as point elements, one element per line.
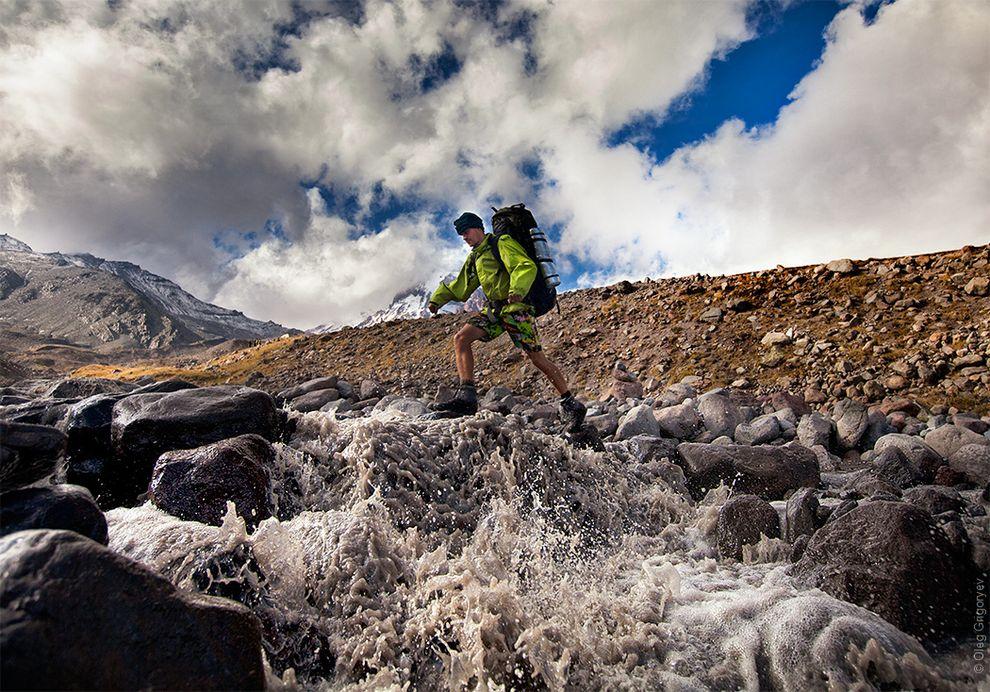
<point>195,484</point>
<point>606,424</point>
<point>164,387</point>
<point>313,401</point>
<point>841,509</point>
<point>760,431</point>
<point>370,389</point>
<point>800,514</point>
<point>646,448</point>
<point>800,545</point>
<point>921,456</point>
<point>947,439</point>
<point>46,412</point>
<point>891,558</point>
<point>741,521</point>
<point>892,465</point>
<point>28,453</point>
<point>972,462</point>
<point>769,472</point>
<point>98,620</point>
<point>587,437</point>
<point>78,388</point>
<point>935,499</point>
<point>867,483</point>
<point>795,402</point>
<point>68,507</point>
<point>88,449</point>
<point>877,427</point>
<point>346,389</point>
<point>971,422</point>
<point>147,425</point>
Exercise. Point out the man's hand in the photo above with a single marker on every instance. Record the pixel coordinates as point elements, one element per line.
<point>433,307</point>
<point>514,298</point>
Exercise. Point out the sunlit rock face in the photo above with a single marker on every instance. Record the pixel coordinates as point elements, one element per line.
<point>479,553</point>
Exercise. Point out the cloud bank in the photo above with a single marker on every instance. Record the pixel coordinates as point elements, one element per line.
<point>176,134</point>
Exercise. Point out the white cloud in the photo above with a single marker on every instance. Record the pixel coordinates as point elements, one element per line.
<point>129,132</point>
<point>883,151</point>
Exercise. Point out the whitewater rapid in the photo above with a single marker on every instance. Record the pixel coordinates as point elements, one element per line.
<point>478,554</point>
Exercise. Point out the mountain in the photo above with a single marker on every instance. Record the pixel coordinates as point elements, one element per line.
<point>87,301</point>
<point>409,305</point>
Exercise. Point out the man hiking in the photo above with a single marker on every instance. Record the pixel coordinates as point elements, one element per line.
<point>505,284</point>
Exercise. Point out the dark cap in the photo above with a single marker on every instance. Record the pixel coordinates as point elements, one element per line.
<point>467,221</point>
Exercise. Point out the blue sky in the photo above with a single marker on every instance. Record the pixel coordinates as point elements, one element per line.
<point>302,161</point>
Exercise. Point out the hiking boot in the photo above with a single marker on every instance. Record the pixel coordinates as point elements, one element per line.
<point>572,413</point>
<point>464,403</point>
<point>456,407</point>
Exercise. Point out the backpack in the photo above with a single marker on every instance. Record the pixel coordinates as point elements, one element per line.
<point>517,221</point>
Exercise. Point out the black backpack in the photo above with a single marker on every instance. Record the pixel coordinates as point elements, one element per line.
<point>516,221</point>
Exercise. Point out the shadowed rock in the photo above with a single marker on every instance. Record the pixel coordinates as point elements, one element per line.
<point>68,507</point>
<point>890,557</point>
<point>27,453</point>
<point>741,521</point>
<point>77,616</point>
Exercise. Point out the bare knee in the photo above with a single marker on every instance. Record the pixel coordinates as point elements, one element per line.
<point>462,341</point>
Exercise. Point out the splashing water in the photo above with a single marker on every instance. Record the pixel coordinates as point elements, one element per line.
<point>478,554</point>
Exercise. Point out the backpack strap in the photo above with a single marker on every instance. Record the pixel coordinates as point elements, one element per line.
<point>493,246</point>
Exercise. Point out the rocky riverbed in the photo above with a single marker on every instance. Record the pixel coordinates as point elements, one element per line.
<point>332,536</point>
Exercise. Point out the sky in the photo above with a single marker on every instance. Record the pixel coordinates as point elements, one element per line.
<point>303,161</point>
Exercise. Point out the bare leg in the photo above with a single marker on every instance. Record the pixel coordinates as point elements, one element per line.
<point>552,372</point>
<point>464,352</point>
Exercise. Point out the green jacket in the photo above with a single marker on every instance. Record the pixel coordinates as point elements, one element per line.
<point>482,269</point>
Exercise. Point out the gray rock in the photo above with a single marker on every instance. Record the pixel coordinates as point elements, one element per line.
<point>646,448</point>
<point>891,558</point>
<point>147,425</point>
<point>346,389</point>
<point>921,456</point>
<point>371,389</point>
<point>88,386</point>
<point>800,514</point>
<point>313,401</point>
<point>877,427</point>
<point>760,431</point>
<point>815,429</point>
<point>741,521</point>
<point>101,621</point>
<point>28,453</point>
<point>680,421</point>
<point>639,421</point>
<point>769,472</point>
<point>947,439</point>
<point>851,421</point>
<point>973,462</point>
<point>676,394</point>
<point>401,406</point>
<point>719,413</point>
<point>339,406</point>
<point>841,266</point>
<point>164,386</point>
<point>68,507</point>
<point>606,424</point>
<point>195,484</point>
<point>867,484</point>
<point>308,386</point>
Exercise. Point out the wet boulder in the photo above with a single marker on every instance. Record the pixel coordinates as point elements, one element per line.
<point>741,521</point>
<point>164,386</point>
<point>720,414</point>
<point>946,440</point>
<point>891,558</point>
<point>935,499</point>
<point>145,426</point>
<point>769,472</point>
<point>195,484</point>
<point>972,462</point>
<point>37,412</point>
<point>77,388</point>
<point>28,453</point>
<point>98,620</point>
<point>88,449</point>
<point>68,507</point>
<point>892,466</point>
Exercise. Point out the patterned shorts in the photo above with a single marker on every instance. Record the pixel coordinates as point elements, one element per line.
<point>521,327</point>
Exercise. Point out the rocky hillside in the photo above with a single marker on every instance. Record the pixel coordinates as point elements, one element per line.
<point>56,307</point>
<point>910,326</point>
